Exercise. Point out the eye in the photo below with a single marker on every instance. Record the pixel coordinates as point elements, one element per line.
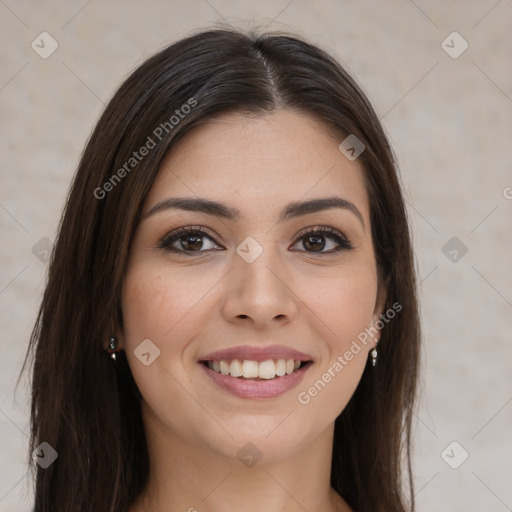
<point>187,240</point>
<point>314,240</point>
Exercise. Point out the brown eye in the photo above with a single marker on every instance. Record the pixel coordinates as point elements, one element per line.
<point>187,240</point>
<point>190,240</point>
<point>315,243</point>
<point>314,240</point>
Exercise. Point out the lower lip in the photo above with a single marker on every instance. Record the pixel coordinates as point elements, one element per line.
<point>248,388</point>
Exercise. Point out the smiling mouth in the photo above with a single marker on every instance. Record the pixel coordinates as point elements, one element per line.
<point>254,370</point>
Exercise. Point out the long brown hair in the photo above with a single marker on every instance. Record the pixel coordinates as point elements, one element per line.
<point>88,409</point>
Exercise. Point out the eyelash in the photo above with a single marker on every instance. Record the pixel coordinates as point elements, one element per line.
<point>166,242</point>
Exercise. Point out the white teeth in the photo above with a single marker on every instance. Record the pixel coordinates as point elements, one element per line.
<point>280,367</point>
<point>224,368</point>
<point>235,368</point>
<point>267,370</point>
<point>249,369</point>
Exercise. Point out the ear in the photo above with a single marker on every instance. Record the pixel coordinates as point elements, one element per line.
<point>117,331</point>
<point>120,339</point>
<point>118,326</point>
<point>380,302</point>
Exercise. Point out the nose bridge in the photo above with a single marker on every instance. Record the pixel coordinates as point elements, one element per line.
<point>258,288</point>
<point>258,262</point>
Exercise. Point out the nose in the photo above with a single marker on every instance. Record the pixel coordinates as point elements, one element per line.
<point>259,293</point>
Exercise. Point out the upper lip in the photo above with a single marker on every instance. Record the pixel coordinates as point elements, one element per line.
<point>257,353</point>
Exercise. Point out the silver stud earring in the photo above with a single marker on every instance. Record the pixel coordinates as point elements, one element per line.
<point>112,348</point>
<point>374,356</point>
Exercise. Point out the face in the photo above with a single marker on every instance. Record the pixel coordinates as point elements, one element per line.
<point>261,282</point>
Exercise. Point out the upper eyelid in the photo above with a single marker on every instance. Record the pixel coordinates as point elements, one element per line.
<point>321,228</point>
<point>329,231</point>
<point>209,232</point>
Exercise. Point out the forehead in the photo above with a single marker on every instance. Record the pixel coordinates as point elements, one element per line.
<point>256,162</point>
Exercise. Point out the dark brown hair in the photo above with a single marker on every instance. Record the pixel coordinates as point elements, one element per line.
<point>88,409</point>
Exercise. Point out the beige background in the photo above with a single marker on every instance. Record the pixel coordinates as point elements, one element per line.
<point>449,120</point>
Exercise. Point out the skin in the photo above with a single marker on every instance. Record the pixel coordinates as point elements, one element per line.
<point>192,303</point>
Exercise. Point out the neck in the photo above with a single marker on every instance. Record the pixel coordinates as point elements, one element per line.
<point>187,477</point>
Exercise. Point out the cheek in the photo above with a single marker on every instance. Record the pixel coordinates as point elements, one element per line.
<point>157,302</point>
<point>344,303</point>
<point>169,307</point>
<point>155,307</point>
<point>349,311</point>
<point>343,310</point>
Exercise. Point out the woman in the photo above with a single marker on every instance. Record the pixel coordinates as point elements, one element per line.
<point>230,319</point>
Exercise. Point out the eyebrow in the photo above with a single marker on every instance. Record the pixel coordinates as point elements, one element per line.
<point>290,211</point>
